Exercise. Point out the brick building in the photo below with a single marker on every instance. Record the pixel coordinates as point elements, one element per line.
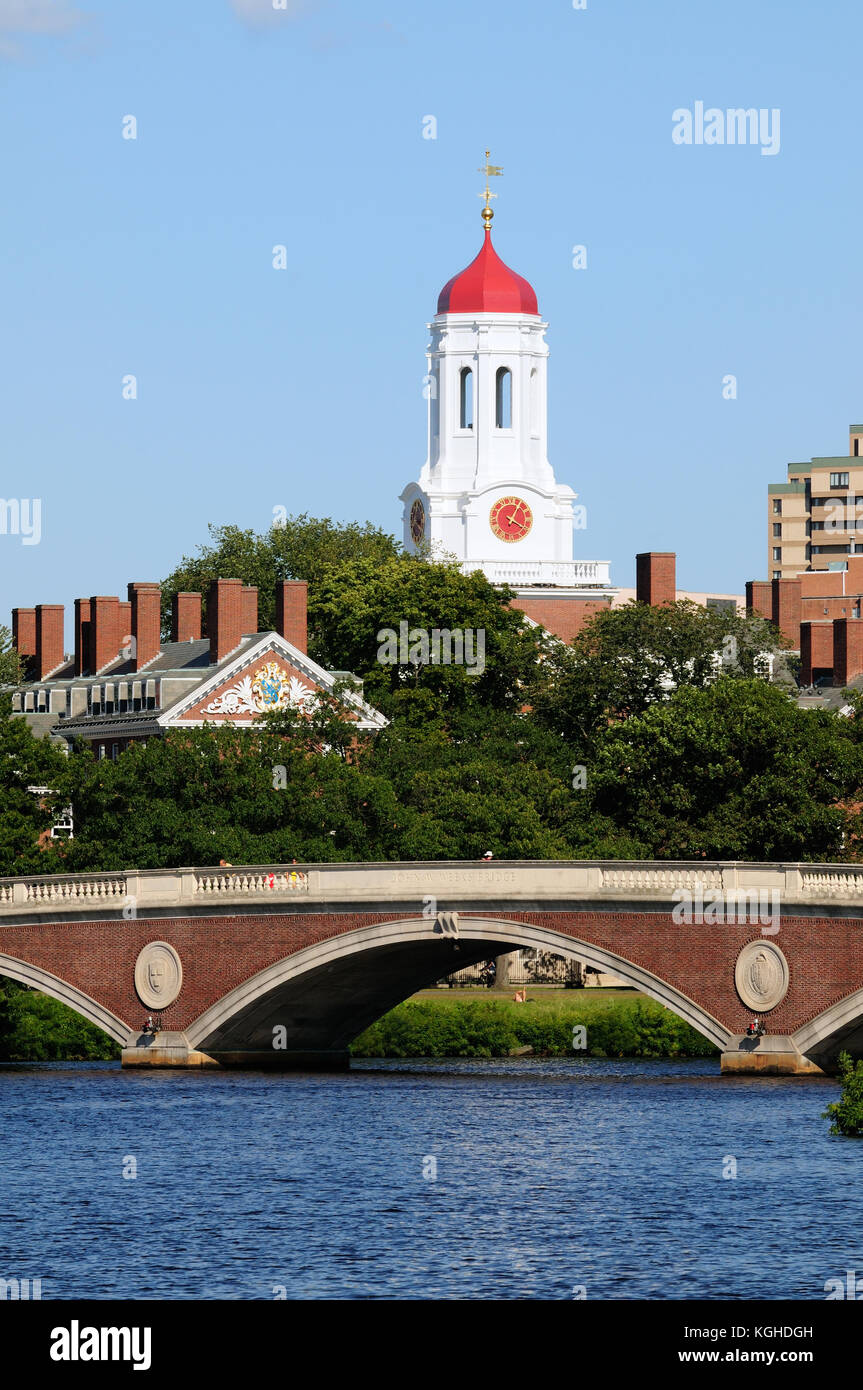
<point>818,613</point>
<point>124,684</point>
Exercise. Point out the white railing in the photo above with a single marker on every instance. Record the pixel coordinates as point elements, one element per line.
<point>566,573</point>
<point>832,883</point>
<point>86,888</point>
<point>651,880</point>
<point>247,881</point>
<point>457,883</point>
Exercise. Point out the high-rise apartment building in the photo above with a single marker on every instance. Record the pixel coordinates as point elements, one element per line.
<point>815,519</point>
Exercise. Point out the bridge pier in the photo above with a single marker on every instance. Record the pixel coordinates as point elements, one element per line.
<point>767,1056</point>
<point>168,1049</point>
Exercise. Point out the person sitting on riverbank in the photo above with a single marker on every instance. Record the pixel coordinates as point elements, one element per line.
<point>520,996</point>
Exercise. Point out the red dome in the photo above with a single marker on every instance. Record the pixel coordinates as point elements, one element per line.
<point>487,286</point>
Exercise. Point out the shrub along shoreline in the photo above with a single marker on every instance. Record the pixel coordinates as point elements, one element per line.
<point>630,1026</point>
<point>36,1028</point>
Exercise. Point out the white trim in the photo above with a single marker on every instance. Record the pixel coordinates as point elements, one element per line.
<point>222,674</point>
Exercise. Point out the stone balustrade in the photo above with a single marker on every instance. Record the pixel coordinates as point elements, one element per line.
<point>455,884</point>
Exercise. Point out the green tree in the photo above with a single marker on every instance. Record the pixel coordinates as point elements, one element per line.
<point>472,779</point>
<point>847,1112</point>
<point>303,547</point>
<point>353,604</point>
<point>627,659</point>
<point>26,816</point>
<point>735,771</point>
<point>249,796</point>
<point>10,662</point>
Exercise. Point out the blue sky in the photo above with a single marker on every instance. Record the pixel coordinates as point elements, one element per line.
<point>302,388</point>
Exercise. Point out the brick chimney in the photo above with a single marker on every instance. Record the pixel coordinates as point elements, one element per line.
<point>49,638</point>
<point>250,609</point>
<point>224,617</point>
<point>186,618</point>
<point>655,580</point>
<point>787,609</point>
<point>146,600</point>
<point>104,644</point>
<point>759,597</point>
<point>292,596</point>
<point>82,636</point>
<point>24,632</point>
<point>124,628</point>
<point>847,650</point>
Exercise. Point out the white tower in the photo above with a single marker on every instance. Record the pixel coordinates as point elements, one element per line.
<point>487,492</point>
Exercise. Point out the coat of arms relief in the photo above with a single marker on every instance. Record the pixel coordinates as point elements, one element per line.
<point>270,688</point>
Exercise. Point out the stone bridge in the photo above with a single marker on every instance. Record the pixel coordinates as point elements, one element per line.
<point>283,966</point>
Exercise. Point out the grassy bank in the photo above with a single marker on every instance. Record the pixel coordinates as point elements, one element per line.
<point>434,1023</point>
<point>617,1023</point>
<point>36,1028</point>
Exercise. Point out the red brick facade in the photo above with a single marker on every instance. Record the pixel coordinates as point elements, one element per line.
<point>224,617</point>
<point>199,710</point>
<point>847,649</point>
<point>24,631</point>
<point>82,636</point>
<point>292,597</point>
<point>825,955</point>
<point>816,649</point>
<point>250,609</point>
<point>146,602</point>
<point>186,618</point>
<point>759,597</point>
<point>564,617</point>
<point>49,638</point>
<point>104,631</point>
<point>656,577</point>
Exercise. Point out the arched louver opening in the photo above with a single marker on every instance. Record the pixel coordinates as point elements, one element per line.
<point>503,399</point>
<point>466,399</point>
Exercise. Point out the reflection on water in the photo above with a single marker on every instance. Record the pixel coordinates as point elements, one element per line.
<point>549,1175</point>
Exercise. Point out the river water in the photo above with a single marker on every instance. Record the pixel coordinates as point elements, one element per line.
<point>448,1179</point>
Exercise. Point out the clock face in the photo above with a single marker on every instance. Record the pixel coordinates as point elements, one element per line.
<point>418,521</point>
<point>510,519</point>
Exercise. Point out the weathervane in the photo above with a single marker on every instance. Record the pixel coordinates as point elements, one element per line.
<point>490,171</point>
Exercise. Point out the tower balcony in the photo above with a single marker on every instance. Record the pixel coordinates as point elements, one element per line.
<point>561,573</point>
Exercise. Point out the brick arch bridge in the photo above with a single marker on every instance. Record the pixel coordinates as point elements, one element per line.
<point>283,966</point>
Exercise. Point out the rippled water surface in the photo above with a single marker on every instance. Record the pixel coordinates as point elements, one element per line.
<point>550,1175</point>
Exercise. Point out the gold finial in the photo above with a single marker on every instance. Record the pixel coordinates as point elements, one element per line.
<point>490,171</point>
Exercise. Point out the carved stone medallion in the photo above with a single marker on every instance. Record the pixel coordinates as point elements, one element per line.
<point>158,975</point>
<point>761,975</point>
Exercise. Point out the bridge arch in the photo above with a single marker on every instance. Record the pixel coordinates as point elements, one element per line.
<point>837,1028</point>
<point>73,997</point>
<point>325,995</point>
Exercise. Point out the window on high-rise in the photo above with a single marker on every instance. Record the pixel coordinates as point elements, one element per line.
<point>777,528</point>
<point>777,552</point>
<point>838,479</point>
<point>777,506</point>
